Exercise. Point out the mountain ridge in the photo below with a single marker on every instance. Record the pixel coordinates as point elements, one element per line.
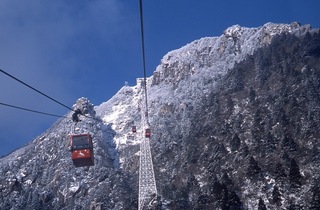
<point>220,109</point>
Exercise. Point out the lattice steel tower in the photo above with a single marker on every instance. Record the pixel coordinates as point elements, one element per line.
<point>147,183</point>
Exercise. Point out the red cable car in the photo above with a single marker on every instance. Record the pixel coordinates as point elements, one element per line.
<point>81,150</point>
<point>134,129</point>
<point>148,133</point>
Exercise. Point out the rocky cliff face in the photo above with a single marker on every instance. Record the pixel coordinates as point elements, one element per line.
<point>235,125</point>
<point>252,141</point>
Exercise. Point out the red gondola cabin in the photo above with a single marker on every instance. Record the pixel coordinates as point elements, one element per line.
<point>81,150</point>
<point>134,129</point>
<point>148,133</point>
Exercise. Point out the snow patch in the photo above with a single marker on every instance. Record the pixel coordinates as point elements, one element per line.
<point>74,187</point>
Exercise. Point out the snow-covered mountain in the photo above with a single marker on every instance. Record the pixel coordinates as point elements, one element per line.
<point>234,124</point>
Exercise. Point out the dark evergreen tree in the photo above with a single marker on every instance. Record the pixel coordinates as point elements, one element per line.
<point>286,160</point>
<point>257,119</point>
<point>230,105</point>
<point>227,199</point>
<point>276,196</point>
<point>294,175</point>
<point>216,190</point>
<point>270,144</point>
<point>225,179</point>
<point>224,197</point>
<point>261,205</point>
<point>293,206</point>
<point>279,115</point>
<point>193,188</point>
<point>235,143</point>
<point>252,95</point>
<point>204,202</point>
<point>315,154</point>
<point>234,201</point>
<point>21,204</point>
<point>315,202</point>
<point>280,174</point>
<point>46,199</point>
<point>193,151</point>
<point>262,62</point>
<point>158,205</point>
<point>181,199</point>
<point>6,205</point>
<point>35,202</point>
<point>253,168</point>
<point>236,82</point>
<point>288,143</point>
<point>244,149</point>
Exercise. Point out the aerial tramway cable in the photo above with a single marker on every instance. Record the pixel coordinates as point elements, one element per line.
<point>38,91</point>
<point>31,110</point>
<point>144,63</point>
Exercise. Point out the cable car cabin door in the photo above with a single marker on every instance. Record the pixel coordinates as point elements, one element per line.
<point>81,150</point>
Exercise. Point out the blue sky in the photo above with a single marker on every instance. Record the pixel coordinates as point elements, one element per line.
<point>69,49</point>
